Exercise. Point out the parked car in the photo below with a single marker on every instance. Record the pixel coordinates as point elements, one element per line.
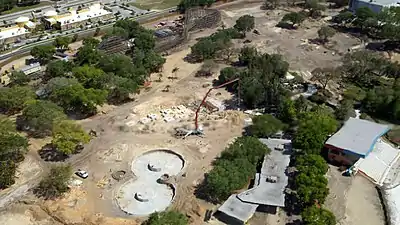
<point>82,174</point>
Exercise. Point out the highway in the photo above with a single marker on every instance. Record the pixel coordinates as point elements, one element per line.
<point>141,19</point>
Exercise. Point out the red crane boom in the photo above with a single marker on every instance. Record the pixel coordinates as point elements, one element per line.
<point>205,97</point>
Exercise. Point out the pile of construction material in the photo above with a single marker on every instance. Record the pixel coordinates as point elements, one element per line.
<point>175,113</point>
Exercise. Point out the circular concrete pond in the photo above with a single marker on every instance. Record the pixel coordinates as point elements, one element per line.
<point>146,195</point>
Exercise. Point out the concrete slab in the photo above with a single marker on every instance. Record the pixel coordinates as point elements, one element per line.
<point>145,195</point>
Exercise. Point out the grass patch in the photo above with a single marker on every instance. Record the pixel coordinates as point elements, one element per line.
<point>155,4</point>
<point>21,8</point>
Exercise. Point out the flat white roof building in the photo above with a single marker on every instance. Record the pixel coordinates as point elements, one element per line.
<point>9,32</point>
<point>76,16</point>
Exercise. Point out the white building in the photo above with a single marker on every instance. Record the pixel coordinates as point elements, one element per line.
<point>76,18</point>
<point>16,32</point>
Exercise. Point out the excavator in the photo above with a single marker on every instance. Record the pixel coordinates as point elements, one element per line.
<point>199,129</point>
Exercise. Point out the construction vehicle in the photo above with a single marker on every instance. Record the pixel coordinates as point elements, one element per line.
<point>199,129</point>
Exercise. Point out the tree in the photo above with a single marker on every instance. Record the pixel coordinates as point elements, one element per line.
<point>43,53</point>
<point>271,4</point>
<point>265,126</point>
<point>311,188</point>
<point>13,99</point>
<point>19,78</point>
<point>55,183</point>
<point>314,127</point>
<point>7,173</point>
<point>87,54</point>
<point>89,76</point>
<point>39,117</point>
<point>12,146</point>
<point>151,61</point>
<point>315,215</point>
<point>167,218</point>
<point>62,42</point>
<point>314,7</point>
<point>67,135</point>
<point>55,84</point>
<point>363,68</point>
<point>245,23</point>
<point>145,41</point>
<point>311,164</point>
<point>287,111</point>
<point>186,4</point>
<point>204,49</point>
<point>206,69</point>
<point>6,125</point>
<point>325,75</point>
<point>388,19</point>
<point>76,98</point>
<point>121,88</point>
<point>247,55</point>
<point>295,19</point>
<point>343,17</point>
<point>364,17</point>
<point>213,46</point>
<point>325,32</point>
<point>57,68</point>
<point>345,110</point>
<point>7,5</point>
<point>233,168</point>
<point>91,42</point>
<point>228,74</point>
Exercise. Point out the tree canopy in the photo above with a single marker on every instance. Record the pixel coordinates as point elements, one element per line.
<point>76,98</point>
<point>325,32</point>
<point>167,218</point>
<point>265,126</point>
<point>67,135</point>
<point>55,183</point>
<point>62,42</point>
<point>12,150</point>
<point>13,99</point>
<point>312,163</point>
<point>7,173</point>
<point>19,78</point>
<point>57,68</point>
<point>233,168</point>
<point>245,23</point>
<point>43,53</point>
<point>39,116</point>
<point>313,130</point>
<point>314,215</point>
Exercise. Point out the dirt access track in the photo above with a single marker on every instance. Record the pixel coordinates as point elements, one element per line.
<point>121,138</point>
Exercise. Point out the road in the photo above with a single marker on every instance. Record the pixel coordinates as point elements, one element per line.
<point>27,48</point>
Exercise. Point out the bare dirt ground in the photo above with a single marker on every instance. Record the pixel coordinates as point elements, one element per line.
<point>353,200</point>
<point>121,138</point>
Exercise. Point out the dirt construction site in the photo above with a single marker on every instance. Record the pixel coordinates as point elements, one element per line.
<point>139,137</point>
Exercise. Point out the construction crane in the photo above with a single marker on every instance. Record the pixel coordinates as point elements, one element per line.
<point>199,130</point>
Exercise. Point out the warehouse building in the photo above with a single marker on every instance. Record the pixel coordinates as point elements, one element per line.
<point>76,18</point>
<point>17,32</point>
